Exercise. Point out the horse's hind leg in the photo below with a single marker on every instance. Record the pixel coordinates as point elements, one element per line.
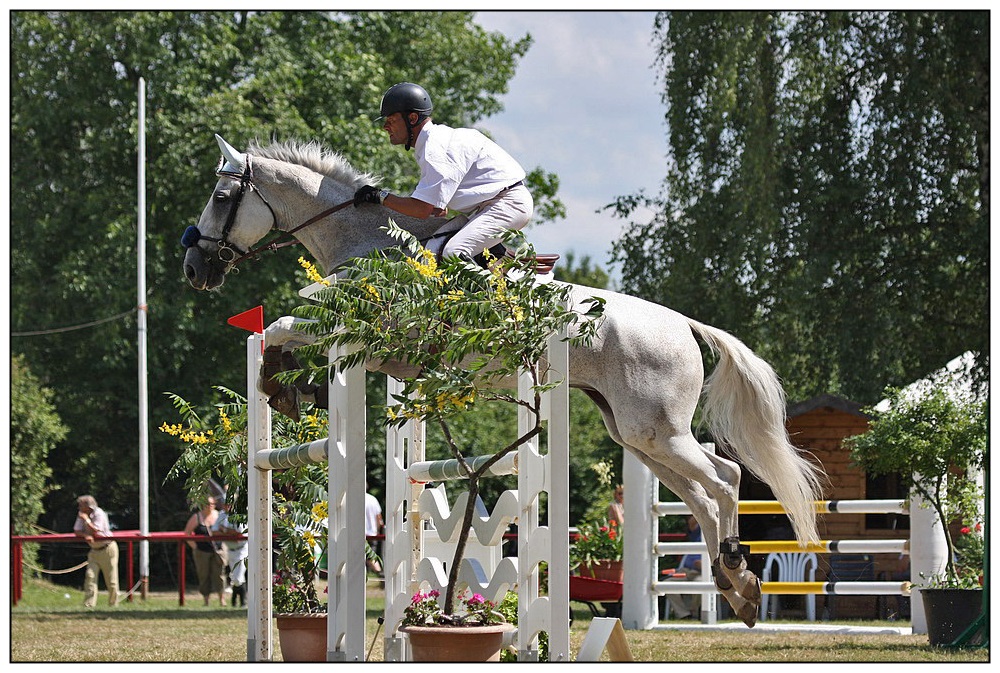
<point>707,483</point>
<point>717,515</point>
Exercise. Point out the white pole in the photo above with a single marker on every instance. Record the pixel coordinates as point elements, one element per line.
<point>639,604</point>
<point>143,390</point>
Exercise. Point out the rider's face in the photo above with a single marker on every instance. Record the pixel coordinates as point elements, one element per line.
<point>396,128</point>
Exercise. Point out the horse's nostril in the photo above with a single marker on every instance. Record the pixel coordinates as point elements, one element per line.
<point>190,272</point>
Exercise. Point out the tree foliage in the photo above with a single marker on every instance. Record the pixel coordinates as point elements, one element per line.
<point>246,75</point>
<point>828,195</point>
<point>35,428</point>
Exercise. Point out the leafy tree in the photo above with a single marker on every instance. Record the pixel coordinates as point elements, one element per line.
<point>585,273</point>
<point>828,195</point>
<point>34,429</point>
<point>245,75</point>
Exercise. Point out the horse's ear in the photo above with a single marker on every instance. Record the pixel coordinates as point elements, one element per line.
<point>236,161</point>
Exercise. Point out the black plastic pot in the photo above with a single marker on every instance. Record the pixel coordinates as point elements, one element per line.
<point>950,612</point>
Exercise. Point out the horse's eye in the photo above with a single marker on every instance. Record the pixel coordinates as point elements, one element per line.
<point>221,195</point>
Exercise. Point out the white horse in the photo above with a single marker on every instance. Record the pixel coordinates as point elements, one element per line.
<point>643,370</point>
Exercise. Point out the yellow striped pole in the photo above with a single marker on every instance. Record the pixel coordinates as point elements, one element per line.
<point>822,507</point>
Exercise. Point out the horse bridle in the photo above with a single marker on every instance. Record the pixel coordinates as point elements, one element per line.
<point>229,254</point>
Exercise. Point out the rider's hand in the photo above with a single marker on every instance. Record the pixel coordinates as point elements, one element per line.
<point>366,194</point>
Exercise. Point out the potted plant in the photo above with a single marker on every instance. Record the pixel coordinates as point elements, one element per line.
<point>458,333</point>
<point>482,626</point>
<point>597,548</point>
<point>215,449</point>
<point>597,551</point>
<point>936,440</point>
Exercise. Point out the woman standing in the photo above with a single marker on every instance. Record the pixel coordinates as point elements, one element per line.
<point>208,560</point>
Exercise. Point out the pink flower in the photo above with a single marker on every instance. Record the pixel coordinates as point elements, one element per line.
<point>477,599</point>
<point>966,530</point>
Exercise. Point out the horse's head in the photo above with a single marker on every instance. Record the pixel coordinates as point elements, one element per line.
<point>235,218</point>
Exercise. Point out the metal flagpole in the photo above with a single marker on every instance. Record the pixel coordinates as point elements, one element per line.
<point>143,391</point>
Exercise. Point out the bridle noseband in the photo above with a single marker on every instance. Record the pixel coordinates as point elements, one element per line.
<point>230,255</point>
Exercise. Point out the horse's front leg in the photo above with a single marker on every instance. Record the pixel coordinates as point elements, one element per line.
<point>281,337</point>
<point>285,333</point>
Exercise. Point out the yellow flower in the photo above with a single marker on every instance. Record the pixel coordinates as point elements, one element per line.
<point>311,272</point>
<point>227,424</point>
<point>426,265</point>
<point>309,537</point>
<point>171,429</point>
<point>319,511</point>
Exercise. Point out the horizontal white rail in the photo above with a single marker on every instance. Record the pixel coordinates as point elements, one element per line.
<point>292,456</point>
<point>822,507</point>
<point>447,470</point>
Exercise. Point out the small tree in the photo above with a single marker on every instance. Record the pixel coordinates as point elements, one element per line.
<point>933,441</point>
<point>464,330</point>
<point>34,429</point>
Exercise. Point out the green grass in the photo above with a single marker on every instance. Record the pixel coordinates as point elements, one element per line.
<point>46,626</point>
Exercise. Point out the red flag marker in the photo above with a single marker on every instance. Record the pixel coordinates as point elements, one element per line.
<point>251,321</point>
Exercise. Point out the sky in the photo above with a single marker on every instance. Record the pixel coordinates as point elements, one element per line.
<point>584,105</point>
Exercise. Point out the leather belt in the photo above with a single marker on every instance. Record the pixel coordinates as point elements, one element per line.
<point>516,184</point>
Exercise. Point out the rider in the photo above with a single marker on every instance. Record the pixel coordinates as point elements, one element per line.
<point>460,169</point>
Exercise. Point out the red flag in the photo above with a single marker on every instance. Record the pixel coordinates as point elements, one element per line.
<point>252,320</point>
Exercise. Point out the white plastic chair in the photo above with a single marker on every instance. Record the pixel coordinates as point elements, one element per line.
<point>791,567</point>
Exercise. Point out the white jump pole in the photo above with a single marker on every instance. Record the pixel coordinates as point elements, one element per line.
<point>346,492</point>
<point>259,610</point>
<point>639,603</point>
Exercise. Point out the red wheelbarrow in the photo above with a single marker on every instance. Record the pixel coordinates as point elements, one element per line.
<point>590,591</point>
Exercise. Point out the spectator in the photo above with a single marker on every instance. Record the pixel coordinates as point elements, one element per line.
<point>373,526</point>
<point>688,606</point>
<point>236,552</point>
<point>616,510</point>
<point>208,559</point>
<point>93,526</point>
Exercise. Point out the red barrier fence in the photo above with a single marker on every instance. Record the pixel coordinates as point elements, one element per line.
<point>129,537</point>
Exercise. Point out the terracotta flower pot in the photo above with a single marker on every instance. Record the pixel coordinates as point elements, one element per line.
<point>456,643</point>
<point>609,571</point>
<point>302,637</point>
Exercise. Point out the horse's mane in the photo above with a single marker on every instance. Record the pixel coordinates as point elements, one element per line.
<point>314,156</point>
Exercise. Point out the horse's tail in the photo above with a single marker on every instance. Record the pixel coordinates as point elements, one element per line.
<point>744,407</point>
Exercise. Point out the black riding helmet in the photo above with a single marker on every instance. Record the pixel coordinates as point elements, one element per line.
<point>406,98</point>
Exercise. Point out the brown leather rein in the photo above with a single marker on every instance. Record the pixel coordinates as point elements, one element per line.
<point>276,245</point>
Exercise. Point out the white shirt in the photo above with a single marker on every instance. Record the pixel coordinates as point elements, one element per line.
<point>99,520</point>
<point>461,168</point>
<point>372,512</point>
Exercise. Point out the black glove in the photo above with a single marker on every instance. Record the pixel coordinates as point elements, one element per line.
<point>366,194</point>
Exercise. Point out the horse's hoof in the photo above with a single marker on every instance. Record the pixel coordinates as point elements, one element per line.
<point>286,403</point>
<point>748,613</point>
<point>751,590</point>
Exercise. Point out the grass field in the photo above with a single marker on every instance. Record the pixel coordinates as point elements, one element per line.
<point>50,624</point>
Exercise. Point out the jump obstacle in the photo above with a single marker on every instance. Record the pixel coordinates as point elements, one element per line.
<point>642,586</point>
<point>408,506</point>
